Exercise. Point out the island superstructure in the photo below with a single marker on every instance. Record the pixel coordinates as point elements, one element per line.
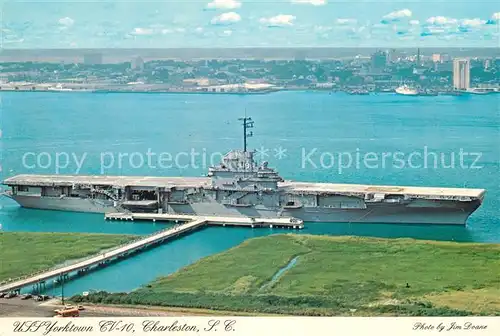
<point>239,186</point>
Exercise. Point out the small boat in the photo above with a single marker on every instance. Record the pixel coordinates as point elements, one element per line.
<point>359,92</point>
<point>479,91</point>
<point>405,90</point>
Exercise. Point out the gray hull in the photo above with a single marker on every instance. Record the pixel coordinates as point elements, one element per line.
<point>64,204</point>
<point>456,213</point>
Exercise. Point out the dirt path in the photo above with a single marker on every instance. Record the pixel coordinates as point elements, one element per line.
<point>16,307</point>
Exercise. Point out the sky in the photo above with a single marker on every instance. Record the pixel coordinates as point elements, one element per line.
<point>249,23</point>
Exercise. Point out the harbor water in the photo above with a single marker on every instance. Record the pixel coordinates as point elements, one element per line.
<point>307,136</point>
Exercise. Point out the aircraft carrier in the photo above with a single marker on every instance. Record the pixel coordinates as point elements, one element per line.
<point>239,186</point>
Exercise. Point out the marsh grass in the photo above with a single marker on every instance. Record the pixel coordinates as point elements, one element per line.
<point>334,276</point>
<point>23,253</point>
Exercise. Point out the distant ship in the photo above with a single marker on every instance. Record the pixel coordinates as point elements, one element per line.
<point>241,187</point>
<point>360,92</point>
<point>406,91</point>
<point>59,87</point>
<point>479,91</point>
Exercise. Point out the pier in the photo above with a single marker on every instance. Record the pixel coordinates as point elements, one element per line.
<point>278,222</point>
<point>102,258</point>
<point>189,224</point>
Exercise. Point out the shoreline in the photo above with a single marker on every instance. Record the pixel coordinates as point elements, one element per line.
<point>264,92</point>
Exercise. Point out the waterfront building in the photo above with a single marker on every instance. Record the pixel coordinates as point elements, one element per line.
<point>436,58</point>
<point>461,74</point>
<point>199,82</point>
<point>445,58</point>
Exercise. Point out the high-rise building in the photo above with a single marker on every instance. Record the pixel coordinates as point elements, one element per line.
<point>391,56</point>
<point>378,61</point>
<point>461,74</point>
<point>137,63</point>
<point>487,64</point>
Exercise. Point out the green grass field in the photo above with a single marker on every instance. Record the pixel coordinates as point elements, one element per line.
<point>334,276</point>
<point>24,253</point>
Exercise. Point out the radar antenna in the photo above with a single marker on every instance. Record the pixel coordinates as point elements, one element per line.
<point>247,123</point>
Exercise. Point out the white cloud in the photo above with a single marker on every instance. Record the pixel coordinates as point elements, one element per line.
<point>226,18</point>
<point>278,20</point>
<point>346,21</point>
<point>414,22</point>
<point>496,16</point>
<point>166,31</point>
<point>441,20</point>
<point>66,21</point>
<point>310,2</point>
<point>142,31</point>
<point>436,30</point>
<point>398,14</point>
<point>199,30</point>
<point>224,4</point>
<point>322,29</point>
<point>14,41</point>
<point>472,22</point>
<point>227,33</point>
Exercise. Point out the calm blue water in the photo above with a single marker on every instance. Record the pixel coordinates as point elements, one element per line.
<point>278,274</point>
<point>95,129</point>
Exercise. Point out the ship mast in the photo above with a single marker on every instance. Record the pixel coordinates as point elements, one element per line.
<point>247,123</point>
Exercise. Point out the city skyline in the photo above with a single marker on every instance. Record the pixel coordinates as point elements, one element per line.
<point>383,71</point>
<point>251,23</point>
<point>120,55</point>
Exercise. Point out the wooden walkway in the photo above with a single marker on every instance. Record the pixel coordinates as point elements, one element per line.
<point>121,251</point>
<point>190,223</point>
